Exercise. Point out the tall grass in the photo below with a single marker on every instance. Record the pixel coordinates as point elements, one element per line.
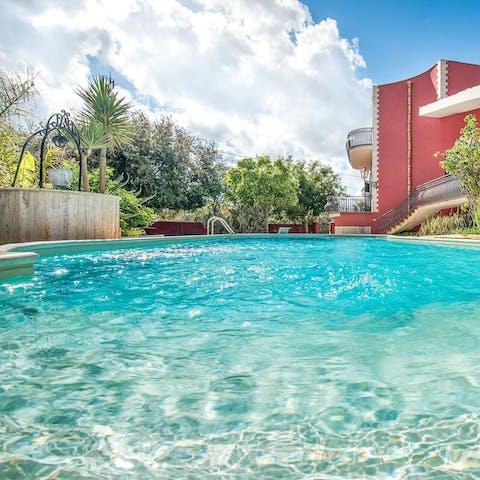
<point>446,224</point>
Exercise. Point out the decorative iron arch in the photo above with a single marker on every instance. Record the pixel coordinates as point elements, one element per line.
<point>66,131</point>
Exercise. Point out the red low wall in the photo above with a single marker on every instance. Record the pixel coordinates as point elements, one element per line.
<point>356,219</point>
<point>175,228</point>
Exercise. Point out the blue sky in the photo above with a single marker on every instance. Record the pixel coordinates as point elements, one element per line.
<point>401,38</point>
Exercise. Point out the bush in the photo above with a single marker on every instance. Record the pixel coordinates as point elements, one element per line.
<point>134,214</point>
<point>446,224</point>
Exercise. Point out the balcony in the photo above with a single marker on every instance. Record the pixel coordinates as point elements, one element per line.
<point>359,148</point>
<point>349,204</point>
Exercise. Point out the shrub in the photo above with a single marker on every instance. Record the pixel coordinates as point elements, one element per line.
<point>134,214</point>
<point>446,224</point>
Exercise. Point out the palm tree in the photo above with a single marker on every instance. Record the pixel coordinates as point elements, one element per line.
<point>92,137</point>
<point>104,106</point>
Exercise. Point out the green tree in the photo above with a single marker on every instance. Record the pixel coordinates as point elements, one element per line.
<point>9,141</point>
<point>316,182</point>
<point>104,106</point>
<point>258,187</point>
<point>463,161</point>
<point>170,165</point>
<point>16,91</point>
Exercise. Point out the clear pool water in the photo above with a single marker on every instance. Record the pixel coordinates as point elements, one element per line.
<point>244,359</point>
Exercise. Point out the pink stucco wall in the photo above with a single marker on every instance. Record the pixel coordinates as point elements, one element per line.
<point>428,135</point>
<point>461,76</point>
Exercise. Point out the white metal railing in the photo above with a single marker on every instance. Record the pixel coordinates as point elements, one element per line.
<point>211,225</point>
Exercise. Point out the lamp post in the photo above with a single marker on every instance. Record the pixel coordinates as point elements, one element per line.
<point>364,174</point>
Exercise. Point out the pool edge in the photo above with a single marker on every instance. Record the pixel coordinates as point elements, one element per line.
<point>18,259</point>
<point>17,264</point>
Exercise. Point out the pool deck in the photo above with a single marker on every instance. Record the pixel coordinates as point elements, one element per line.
<point>18,259</point>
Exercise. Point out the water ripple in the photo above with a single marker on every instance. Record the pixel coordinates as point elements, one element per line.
<point>243,359</point>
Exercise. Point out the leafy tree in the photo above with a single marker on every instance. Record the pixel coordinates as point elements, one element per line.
<point>316,182</point>
<point>165,162</point>
<point>258,187</point>
<point>27,175</point>
<point>463,161</point>
<point>106,108</point>
<point>16,92</point>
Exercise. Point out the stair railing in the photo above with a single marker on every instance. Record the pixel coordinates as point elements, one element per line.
<point>447,187</point>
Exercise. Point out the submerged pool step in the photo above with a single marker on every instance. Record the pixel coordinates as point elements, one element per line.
<point>17,264</point>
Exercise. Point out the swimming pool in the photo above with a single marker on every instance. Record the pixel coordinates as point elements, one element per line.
<point>243,358</point>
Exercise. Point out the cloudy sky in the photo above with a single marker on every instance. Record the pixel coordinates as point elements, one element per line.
<point>255,76</point>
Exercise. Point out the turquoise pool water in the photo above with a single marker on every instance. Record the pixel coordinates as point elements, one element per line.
<point>246,358</point>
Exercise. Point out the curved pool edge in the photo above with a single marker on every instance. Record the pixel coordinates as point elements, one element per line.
<point>452,241</point>
<point>18,259</point>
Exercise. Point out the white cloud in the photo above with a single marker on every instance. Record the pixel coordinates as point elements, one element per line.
<point>256,76</point>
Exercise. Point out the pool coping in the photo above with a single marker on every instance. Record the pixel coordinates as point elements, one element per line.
<point>18,259</point>
<point>445,240</point>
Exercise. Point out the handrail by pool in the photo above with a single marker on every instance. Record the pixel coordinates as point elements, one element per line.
<point>223,222</point>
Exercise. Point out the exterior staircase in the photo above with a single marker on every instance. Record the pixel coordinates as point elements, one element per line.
<point>423,202</point>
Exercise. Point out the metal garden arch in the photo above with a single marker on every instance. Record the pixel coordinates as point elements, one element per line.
<point>66,131</point>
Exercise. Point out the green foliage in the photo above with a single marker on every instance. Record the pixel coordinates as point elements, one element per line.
<point>316,182</point>
<point>105,113</point>
<point>9,152</point>
<point>261,189</point>
<point>104,106</point>
<point>258,187</point>
<point>463,161</point>
<point>445,224</point>
<point>134,214</point>
<point>324,220</point>
<point>168,164</point>
<point>28,173</point>
<point>476,215</point>
<point>92,135</point>
<point>16,91</point>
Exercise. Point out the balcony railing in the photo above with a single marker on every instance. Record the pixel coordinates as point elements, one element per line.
<point>440,189</point>
<point>349,204</point>
<point>359,137</point>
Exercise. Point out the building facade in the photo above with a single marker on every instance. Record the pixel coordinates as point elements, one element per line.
<point>412,120</point>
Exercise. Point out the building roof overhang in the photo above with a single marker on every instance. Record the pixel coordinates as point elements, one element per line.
<point>460,102</point>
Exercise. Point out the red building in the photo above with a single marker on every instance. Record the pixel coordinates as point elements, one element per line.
<point>411,120</point>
